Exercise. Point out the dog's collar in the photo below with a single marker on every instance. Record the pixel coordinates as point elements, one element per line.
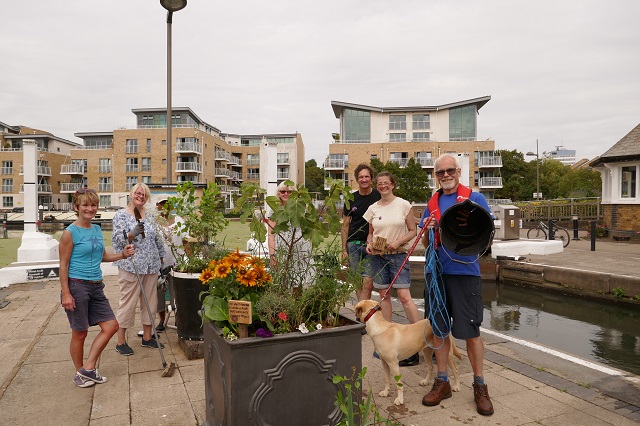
<point>371,312</point>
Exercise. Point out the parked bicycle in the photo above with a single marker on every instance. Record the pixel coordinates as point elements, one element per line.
<point>541,232</point>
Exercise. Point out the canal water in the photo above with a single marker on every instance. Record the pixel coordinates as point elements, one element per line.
<point>598,332</point>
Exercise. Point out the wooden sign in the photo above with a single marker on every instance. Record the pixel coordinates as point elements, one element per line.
<point>240,311</point>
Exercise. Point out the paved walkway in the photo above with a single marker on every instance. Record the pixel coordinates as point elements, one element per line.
<point>527,386</point>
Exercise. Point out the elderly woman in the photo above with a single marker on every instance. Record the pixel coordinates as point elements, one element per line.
<point>150,253</point>
<point>289,246</point>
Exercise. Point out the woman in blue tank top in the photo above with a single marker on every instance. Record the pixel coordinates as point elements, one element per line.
<point>82,290</point>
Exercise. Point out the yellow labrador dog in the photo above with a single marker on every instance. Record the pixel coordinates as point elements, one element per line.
<point>394,342</point>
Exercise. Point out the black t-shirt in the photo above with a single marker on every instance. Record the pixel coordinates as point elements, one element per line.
<point>358,227</point>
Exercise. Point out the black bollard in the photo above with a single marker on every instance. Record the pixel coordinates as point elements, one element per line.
<point>575,228</point>
<point>593,235</point>
<point>551,233</point>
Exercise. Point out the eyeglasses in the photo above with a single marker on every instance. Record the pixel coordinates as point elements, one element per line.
<point>451,171</point>
<point>138,194</point>
<point>85,190</point>
<point>285,191</point>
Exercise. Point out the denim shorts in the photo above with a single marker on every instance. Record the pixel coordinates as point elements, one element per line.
<point>359,260</point>
<point>92,306</point>
<point>385,267</point>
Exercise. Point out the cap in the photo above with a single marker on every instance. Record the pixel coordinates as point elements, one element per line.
<point>162,198</point>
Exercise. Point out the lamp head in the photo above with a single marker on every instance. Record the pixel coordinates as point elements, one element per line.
<point>531,153</point>
<point>173,5</point>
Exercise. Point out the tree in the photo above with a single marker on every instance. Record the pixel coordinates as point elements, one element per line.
<point>412,183</point>
<point>314,177</point>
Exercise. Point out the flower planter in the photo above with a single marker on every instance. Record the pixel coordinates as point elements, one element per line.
<point>187,289</point>
<point>282,380</point>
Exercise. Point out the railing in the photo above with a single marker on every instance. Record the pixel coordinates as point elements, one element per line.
<point>94,147</point>
<point>131,149</point>
<point>41,170</point>
<point>104,169</point>
<point>253,176</point>
<point>283,175</point>
<point>222,155</point>
<point>188,167</point>
<point>236,175</point>
<point>7,170</point>
<point>70,187</point>
<point>74,169</point>
<point>495,161</point>
<point>402,162</point>
<point>131,168</point>
<point>563,209</point>
<point>282,160</point>
<point>333,163</point>
<point>490,182</point>
<point>105,187</point>
<point>7,189</point>
<point>189,147</point>
<point>235,161</point>
<point>222,172</point>
<point>146,167</point>
<point>425,161</point>
<point>253,162</point>
<point>129,185</point>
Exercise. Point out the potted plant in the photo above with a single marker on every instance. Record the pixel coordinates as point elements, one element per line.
<point>283,372</point>
<point>200,220</point>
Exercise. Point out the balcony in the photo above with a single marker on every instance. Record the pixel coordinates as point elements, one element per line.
<point>490,161</point>
<point>235,161</point>
<point>237,176</point>
<point>43,188</point>
<point>221,155</point>
<point>42,170</point>
<point>426,162</point>
<point>335,164</point>
<point>72,169</point>
<point>283,175</point>
<point>222,173</point>
<point>188,167</point>
<point>105,187</point>
<point>253,176</point>
<point>188,148</point>
<point>402,162</point>
<point>70,188</point>
<point>494,182</point>
<point>282,160</point>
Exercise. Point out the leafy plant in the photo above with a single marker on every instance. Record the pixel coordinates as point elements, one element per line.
<point>201,221</point>
<point>602,231</point>
<point>355,408</point>
<point>618,292</point>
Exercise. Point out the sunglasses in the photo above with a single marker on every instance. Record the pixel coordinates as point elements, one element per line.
<point>85,190</point>
<point>284,191</point>
<point>452,171</point>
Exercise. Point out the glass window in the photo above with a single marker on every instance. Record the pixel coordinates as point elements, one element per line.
<point>146,164</point>
<point>81,163</point>
<point>131,180</point>
<point>7,167</point>
<point>132,164</point>
<point>397,137</point>
<point>629,177</point>
<point>421,122</point>
<point>105,200</point>
<point>148,145</point>
<point>356,126</point>
<point>7,185</point>
<point>104,184</point>
<point>281,140</point>
<point>131,146</point>
<point>462,123</point>
<point>253,159</point>
<point>146,179</point>
<point>7,201</point>
<point>250,142</point>
<point>397,122</point>
<point>420,136</point>
<point>283,158</point>
<point>104,165</point>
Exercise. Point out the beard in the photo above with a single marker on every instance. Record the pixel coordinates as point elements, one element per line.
<point>448,184</point>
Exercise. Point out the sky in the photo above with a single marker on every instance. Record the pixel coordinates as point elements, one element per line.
<point>564,73</point>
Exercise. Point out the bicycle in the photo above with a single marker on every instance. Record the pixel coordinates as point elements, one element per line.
<point>541,232</point>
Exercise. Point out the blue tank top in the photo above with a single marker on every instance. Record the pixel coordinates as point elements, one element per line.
<point>88,248</point>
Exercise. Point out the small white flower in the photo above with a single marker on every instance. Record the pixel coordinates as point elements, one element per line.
<point>319,326</point>
<point>303,328</point>
<point>231,337</point>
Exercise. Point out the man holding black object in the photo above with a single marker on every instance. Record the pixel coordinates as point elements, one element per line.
<point>460,285</point>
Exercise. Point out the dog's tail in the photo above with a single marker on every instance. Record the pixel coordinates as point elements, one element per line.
<point>456,351</point>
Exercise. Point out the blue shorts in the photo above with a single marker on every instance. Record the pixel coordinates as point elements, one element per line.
<point>92,306</point>
<point>385,267</point>
<point>359,260</point>
<point>463,301</point>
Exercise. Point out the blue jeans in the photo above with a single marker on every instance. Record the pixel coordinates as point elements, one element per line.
<point>385,267</point>
<point>359,260</point>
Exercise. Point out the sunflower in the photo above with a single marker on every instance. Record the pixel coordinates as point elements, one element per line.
<point>206,275</point>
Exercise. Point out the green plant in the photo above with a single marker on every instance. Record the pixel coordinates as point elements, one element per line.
<point>637,297</point>
<point>602,231</point>
<point>353,407</point>
<point>201,220</point>
<point>618,292</point>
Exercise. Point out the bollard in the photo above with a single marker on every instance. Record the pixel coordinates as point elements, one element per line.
<point>593,235</point>
<point>575,228</point>
<point>4,227</point>
<point>551,233</point>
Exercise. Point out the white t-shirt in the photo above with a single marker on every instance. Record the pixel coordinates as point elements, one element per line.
<point>389,221</point>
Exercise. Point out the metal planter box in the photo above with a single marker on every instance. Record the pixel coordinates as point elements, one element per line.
<point>281,380</point>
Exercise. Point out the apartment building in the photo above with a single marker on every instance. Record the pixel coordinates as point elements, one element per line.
<point>113,161</point>
<point>53,152</point>
<point>397,134</point>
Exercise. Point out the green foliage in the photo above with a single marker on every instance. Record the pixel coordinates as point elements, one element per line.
<point>412,182</point>
<point>357,412</point>
<point>203,220</point>
<point>314,178</point>
<point>618,292</point>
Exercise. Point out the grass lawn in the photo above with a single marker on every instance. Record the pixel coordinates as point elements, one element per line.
<point>234,236</point>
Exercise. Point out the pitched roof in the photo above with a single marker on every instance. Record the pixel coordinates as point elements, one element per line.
<point>627,148</point>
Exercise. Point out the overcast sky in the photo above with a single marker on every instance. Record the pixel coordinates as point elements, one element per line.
<point>565,72</point>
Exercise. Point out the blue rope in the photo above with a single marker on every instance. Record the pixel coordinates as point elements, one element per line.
<point>437,300</point>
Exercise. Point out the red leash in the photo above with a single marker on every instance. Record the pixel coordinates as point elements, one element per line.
<point>413,247</point>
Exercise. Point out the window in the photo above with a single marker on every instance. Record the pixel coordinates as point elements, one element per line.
<point>7,185</point>
<point>420,136</point>
<point>356,125</point>
<point>146,164</point>
<point>397,137</point>
<point>281,140</point>
<point>462,123</point>
<point>283,158</point>
<point>397,122</point>
<point>7,167</point>
<point>250,142</point>
<point>148,145</point>
<point>80,164</point>
<point>105,200</point>
<point>104,184</point>
<point>283,173</point>
<point>131,146</point>
<point>7,201</point>
<point>253,174</point>
<point>374,156</point>
<point>420,122</point>
<point>131,165</point>
<point>400,158</point>
<point>104,165</point>
<point>253,159</point>
<point>146,179</point>
<point>131,180</point>
<point>164,141</point>
<point>629,177</point>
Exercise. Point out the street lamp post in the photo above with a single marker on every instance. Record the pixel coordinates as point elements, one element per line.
<point>537,170</point>
<point>171,6</point>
